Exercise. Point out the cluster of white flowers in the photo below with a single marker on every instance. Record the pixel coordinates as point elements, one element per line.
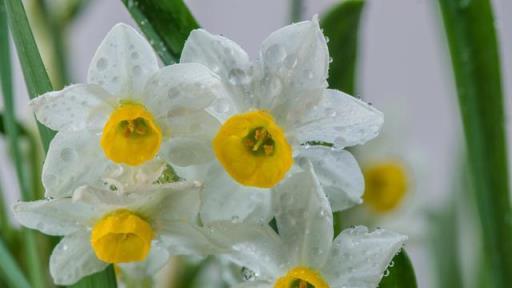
<point>241,137</point>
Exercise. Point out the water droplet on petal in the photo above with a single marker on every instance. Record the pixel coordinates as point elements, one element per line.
<point>275,54</point>
<point>136,70</point>
<point>102,64</point>
<point>238,77</point>
<point>221,106</point>
<point>67,154</point>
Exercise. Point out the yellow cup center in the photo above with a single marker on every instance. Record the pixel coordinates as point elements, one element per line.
<point>131,135</point>
<point>301,277</point>
<point>385,186</point>
<point>120,237</point>
<point>253,149</point>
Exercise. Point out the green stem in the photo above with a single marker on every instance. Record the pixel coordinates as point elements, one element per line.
<point>473,45</point>
<point>296,10</point>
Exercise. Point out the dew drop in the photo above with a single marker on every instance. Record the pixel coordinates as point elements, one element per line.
<point>221,106</point>
<point>248,274</point>
<point>134,55</point>
<point>238,77</point>
<point>67,154</point>
<point>136,70</point>
<point>275,54</point>
<point>102,64</point>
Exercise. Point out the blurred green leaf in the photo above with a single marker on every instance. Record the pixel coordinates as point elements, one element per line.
<point>341,26</point>
<point>296,10</point>
<point>10,270</point>
<point>471,34</point>
<point>166,24</point>
<point>33,257</point>
<point>400,273</point>
<point>36,78</point>
<point>105,279</point>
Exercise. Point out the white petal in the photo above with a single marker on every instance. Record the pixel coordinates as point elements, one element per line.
<point>359,258</point>
<point>295,60</point>
<point>254,284</point>
<point>340,119</point>
<point>181,88</point>
<point>224,199</point>
<point>254,246</point>
<point>73,159</point>
<point>76,107</point>
<point>178,201</point>
<point>54,217</point>
<point>186,151</point>
<point>228,60</point>
<point>123,63</point>
<point>197,124</point>
<point>338,173</point>
<point>73,259</point>
<point>304,219</point>
<point>181,238</point>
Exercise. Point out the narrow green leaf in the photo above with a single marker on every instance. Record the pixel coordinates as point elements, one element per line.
<point>37,276</point>
<point>341,26</point>
<point>36,78</point>
<point>105,279</point>
<point>296,10</point>
<point>471,34</point>
<point>400,273</point>
<point>166,24</point>
<point>10,270</point>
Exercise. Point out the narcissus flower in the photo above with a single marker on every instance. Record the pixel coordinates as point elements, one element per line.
<point>303,254</point>
<point>101,227</point>
<point>128,113</point>
<point>275,108</point>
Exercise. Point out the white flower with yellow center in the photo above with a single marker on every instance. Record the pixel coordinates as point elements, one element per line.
<point>101,227</point>
<point>303,254</point>
<point>129,114</point>
<point>274,107</point>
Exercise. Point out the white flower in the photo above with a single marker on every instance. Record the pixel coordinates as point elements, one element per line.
<point>132,110</point>
<point>274,107</point>
<point>304,251</point>
<point>102,227</point>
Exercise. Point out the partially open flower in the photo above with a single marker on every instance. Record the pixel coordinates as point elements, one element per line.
<point>101,227</point>
<point>304,253</point>
<point>129,114</point>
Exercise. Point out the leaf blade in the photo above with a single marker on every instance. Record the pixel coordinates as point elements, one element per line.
<point>166,24</point>
<point>469,27</point>
<point>401,273</point>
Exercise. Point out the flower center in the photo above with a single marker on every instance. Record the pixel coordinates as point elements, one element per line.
<point>131,135</point>
<point>301,277</point>
<point>120,237</point>
<point>253,149</point>
<point>386,184</point>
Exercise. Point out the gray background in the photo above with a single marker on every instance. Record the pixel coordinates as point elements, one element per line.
<point>404,71</point>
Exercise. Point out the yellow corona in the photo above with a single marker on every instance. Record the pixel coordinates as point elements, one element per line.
<point>121,236</point>
<point>386,186</point>
<point>253,149</point>
<point>301,277</point>
<point>131,135</point>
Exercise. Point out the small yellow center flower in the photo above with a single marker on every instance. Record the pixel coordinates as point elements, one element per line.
<point>131,135</point>
<point>386,184</point>
<point>121,236</point>
<point>301,277</point>
<point>253,149</point>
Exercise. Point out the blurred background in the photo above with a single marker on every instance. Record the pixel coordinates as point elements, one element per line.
<point>404,70</point>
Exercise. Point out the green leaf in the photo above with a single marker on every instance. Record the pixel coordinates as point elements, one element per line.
<point>341,27</point>
<point>471,35</point>
<point>166,24</point>
<point>36,78</point>
<point>296,10</point>
<point>105,279</point>
<point>10,270</point>
<point>400,273</point>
